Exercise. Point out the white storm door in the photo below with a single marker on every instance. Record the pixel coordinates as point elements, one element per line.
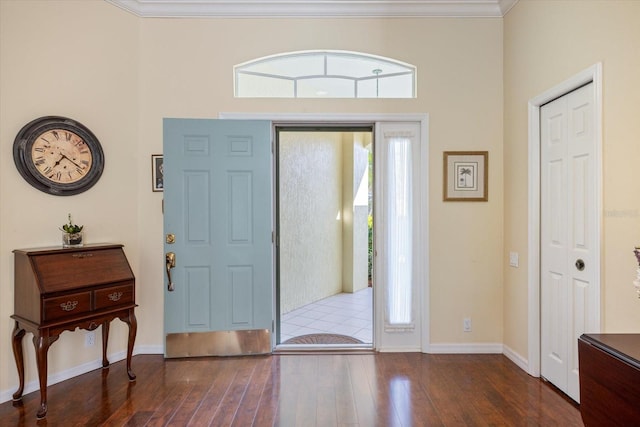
<point>569,234</point>
<point>218,205</point>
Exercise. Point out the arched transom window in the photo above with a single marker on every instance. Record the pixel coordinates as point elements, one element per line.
<point>324,74</point>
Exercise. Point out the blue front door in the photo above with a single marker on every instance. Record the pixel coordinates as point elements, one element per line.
<point>218,216</point>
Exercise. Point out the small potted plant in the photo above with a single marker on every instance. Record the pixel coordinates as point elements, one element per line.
<point>71,234</point>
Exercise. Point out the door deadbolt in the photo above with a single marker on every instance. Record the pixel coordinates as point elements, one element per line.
<point>580,265</point>
<point>171,238</point>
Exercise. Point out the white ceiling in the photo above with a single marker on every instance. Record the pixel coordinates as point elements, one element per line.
<point>315,8</point>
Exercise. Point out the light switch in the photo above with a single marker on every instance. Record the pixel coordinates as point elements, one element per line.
<point>513,259</point>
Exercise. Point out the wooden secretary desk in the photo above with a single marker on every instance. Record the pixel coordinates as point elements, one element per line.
<point>57,290</point>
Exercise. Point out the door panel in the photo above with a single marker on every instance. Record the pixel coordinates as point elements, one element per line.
<point>218,203</point>
<point>390,262</point>
<point>583,235</point>
<point>569,273</point>
<point>554,243</point>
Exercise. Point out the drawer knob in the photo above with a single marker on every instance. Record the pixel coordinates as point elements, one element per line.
<point>115,296</point>
<point>69,305</point>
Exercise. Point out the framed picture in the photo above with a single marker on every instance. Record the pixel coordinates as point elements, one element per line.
<point>157,176</point>
<point>466,176</point>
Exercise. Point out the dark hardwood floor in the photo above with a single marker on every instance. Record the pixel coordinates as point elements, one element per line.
<point>386,389</point>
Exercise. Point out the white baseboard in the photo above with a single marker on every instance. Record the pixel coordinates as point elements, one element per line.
<point>34,385</point>
<point>148,349</point>
<point>485,348</point>
<point>516,358</point>
<point>471,348</point>
<point>398,349</point>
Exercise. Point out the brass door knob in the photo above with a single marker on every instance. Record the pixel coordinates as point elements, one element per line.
<point>170,263</point>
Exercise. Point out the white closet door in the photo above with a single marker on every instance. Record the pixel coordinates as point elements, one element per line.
<point>569,270</point>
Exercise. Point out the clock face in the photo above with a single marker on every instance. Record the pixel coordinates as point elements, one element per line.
<point>58,155</point>
<point>61,156</point>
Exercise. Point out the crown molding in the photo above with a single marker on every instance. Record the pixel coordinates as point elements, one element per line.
<point>314,8</point>
<point>506,5</point>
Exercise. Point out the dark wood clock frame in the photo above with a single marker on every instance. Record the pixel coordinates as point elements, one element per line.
<point>23,158</point>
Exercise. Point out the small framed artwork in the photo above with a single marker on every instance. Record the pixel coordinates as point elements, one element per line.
<point>466,176</point>
<point>157,175</point>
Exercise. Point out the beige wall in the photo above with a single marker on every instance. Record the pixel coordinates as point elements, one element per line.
<point>186,67</point>
<point>80,60</point>
<point>127,73</point>
<point>545,43</point>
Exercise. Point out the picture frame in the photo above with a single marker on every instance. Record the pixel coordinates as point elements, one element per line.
<point>157,174</point>
<point>466,177</point>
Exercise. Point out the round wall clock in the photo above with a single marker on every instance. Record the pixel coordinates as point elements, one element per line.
<point>58,155</point>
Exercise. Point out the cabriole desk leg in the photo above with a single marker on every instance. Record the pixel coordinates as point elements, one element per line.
<point>41,344</point>
<point>133,327</point>
<point>16,342</point>
<point>105,341</point>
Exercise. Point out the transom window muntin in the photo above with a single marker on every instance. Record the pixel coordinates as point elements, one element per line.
<point>324,74</point>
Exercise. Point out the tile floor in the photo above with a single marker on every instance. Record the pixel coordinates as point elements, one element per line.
<point>345,314</point>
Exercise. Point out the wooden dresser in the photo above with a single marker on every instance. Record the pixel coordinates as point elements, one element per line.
<point>609,379</point>
<point>59,290</point>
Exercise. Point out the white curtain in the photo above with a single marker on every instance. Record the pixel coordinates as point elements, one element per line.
<point>399,231</point>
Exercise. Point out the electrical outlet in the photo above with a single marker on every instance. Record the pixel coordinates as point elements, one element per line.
<point>466,324</point>
<point>90,339</point>
<point>514,260</point>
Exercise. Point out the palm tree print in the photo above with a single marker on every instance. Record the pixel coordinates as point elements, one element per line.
<point>462,178</point>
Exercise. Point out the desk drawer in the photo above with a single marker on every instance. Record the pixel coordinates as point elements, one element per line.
<point>64,306</point>
<point>114,296</point>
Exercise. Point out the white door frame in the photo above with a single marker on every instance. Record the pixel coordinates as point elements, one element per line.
<point>335,118</point>
<point>591,74</point>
